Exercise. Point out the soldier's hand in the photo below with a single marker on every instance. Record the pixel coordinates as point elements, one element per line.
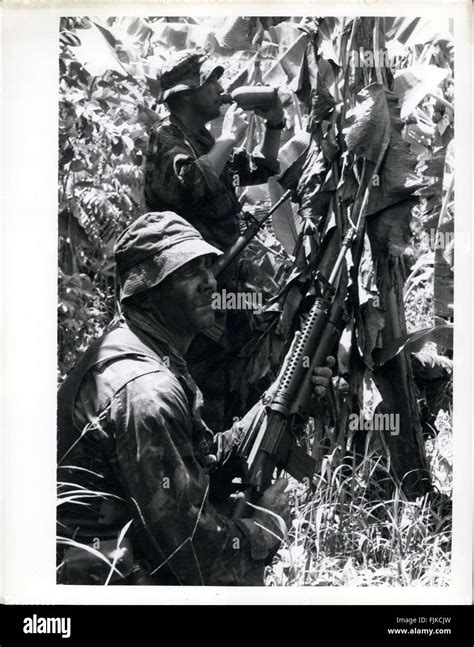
<point>276,499</point>
<point>235,124</point>
<point>322,376</point>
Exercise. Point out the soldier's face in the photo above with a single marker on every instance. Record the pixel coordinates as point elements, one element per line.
<point>207,100</point>
<point>184,299</point>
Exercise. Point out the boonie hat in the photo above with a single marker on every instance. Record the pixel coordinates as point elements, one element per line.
<point>186,70</point>
<point>152,247</point>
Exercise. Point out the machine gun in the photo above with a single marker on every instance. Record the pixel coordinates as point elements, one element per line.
<point>271,441</point>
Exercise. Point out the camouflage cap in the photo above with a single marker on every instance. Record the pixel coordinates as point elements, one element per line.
<point>154,246</point>
<point>186,70</point>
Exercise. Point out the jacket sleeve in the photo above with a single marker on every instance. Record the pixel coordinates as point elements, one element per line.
<point>177,177</point>
<point>160,470</point>
<point>253,168</point>
<point>173,174</point>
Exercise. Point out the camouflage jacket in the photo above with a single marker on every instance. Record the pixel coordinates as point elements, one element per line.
<point>179,178</point>
<point>134,503</point>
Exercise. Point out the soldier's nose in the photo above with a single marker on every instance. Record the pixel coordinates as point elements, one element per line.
<point>208,282</point>
<point>211,282</point>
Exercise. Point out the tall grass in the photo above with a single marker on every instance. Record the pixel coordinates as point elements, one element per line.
<point>345,536</point>
<point>72,494</point>
<point>349,532</point>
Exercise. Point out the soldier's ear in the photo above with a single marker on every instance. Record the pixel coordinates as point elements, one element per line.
<point>176,101</point>
<point>142,300</point>
<point>146,301</point>
<point>187,96</point>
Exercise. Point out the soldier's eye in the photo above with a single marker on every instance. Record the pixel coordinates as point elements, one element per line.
<point>188,272</point>
<point>185,274</point>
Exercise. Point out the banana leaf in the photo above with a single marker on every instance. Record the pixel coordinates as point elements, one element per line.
<point>238,33</point>
<point>287,66</point>
<point>412,84</point>
<point>374,130</point>
<point>310,87</point>
<point>287,224</point>
<point>97,53</point>
<point>414,342</point>
<point>398,179</point>
<point>428,365</point>
<point>367,126</point>
<point>400,29</point>
<point>390,232</point>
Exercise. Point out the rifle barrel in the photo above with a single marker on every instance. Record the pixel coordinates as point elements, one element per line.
<point>243,240</point>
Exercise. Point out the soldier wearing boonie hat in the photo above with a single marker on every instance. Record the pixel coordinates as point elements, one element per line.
<point>153,247</point>
<point>131,438</point>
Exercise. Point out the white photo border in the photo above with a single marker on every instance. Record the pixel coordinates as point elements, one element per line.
<point>29,340</point>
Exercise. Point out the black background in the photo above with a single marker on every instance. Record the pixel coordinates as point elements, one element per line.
<point>294,624</point>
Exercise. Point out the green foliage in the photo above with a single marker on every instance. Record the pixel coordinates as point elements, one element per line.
<point>346,532</point>
<point>103,131</point>
<point>83,311</point>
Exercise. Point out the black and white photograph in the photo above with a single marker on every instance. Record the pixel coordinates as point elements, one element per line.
<point>237,321</point>
<point>255,301</point>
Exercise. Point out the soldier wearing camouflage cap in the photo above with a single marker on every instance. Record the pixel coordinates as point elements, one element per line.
<point>186,70</point>
<point>190,172</point>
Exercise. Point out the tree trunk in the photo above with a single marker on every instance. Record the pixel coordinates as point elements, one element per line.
<point>395,378</point>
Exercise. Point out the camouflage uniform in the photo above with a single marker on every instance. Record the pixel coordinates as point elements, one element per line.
<point>177,178</point>
<point>134,454</point>
<point>144,453</point>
